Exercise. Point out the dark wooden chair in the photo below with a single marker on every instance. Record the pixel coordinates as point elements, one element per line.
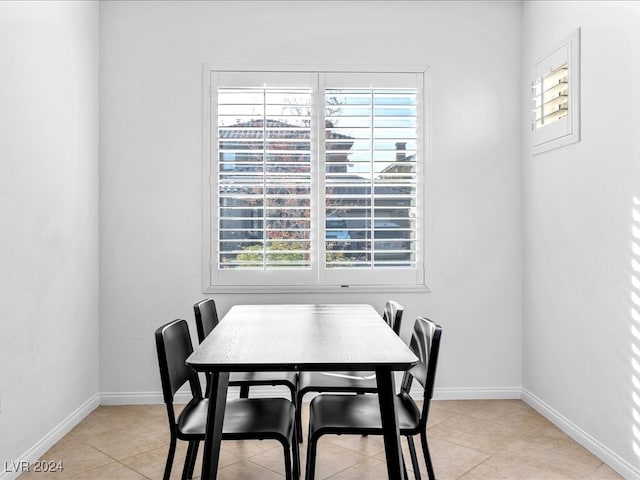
<point>360,414</point>
<point>350,382</point>
<point>206,320</point>
<point>244,419</point>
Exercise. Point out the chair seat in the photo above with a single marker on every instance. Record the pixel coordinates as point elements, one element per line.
<point>359,414</point>
<point>263,378</point>
<point>350,381</point>
<point>244,418</point>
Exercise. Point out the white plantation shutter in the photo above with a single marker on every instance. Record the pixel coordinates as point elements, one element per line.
<point>372,130</point>
<point>550,96</point>
<point>264,177</point>
<point>315,179</point>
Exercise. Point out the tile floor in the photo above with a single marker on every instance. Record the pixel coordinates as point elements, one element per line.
<point>469,440</point>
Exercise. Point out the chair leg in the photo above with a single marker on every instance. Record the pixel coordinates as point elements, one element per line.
<point>312,445</point>
<point>288,464</point>
<point>296,455</point>
<point>427,456</point>
<point>170,455</point>
<point>207,388</point>
<point>414,457</point>
<point>298,404</point>
<point>190,461</point>
<point>192,464</point>
<point>244,391</point>
<point>404,470</point>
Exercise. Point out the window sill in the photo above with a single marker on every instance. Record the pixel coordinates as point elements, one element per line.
<point>284,289</point>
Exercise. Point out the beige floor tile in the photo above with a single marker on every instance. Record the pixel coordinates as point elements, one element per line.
<point>457,407</point>
<point>120,444</point>
<point>562,456</point>
<point>495,411</point>
<point>271,459</point>
<point>450,461</point>
<point>134,420</point>
<point>437,415</point>
<point>368,446</point>
<point>364,469</point>
<point>246,470</point>
<point>331,459</point>
<point>246,449</point>
<point>515,414</point>
<point>113,471</point>
<point>73,456</point>
<point>151,463</point>
<point>504,468</point>
<point>469,440</point>
<point>467,431</point>
<point>604,472</point>
<point>161,410</point>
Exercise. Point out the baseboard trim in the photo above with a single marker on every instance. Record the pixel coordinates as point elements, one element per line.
<point>613,460</point>
<point>135,398</point>
<point>476,393</point>
<point>51,438</point>
<point>153,398</point>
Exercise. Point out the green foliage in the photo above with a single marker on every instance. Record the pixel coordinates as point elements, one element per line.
<point>286,254</point>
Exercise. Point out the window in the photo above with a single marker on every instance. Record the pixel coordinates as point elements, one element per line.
<point>555,94</point>
<point>315,180</point>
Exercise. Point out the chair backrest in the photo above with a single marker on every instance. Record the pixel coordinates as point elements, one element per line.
<point>425,343</point>
<point>392,314</point>
<point>173,343</point>
<point>206,317</point>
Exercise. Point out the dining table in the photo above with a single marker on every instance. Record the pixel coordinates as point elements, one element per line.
<point>297,337</point>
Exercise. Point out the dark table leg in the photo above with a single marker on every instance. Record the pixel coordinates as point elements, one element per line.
<point>215,417</point>
<point>390,431</point>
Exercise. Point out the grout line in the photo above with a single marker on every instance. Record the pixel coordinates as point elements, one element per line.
<point>478,464</point>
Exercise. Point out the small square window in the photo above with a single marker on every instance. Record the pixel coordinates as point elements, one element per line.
<point>555,95</point>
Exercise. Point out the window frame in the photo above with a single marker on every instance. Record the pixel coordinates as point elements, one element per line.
<point>209,198</point>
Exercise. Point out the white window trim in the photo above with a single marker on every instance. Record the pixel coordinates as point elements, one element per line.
<point>207,182</point>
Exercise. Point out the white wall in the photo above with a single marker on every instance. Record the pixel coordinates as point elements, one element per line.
<point>49,221</point>
<point>151,106</point>
<point>581,355</point>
